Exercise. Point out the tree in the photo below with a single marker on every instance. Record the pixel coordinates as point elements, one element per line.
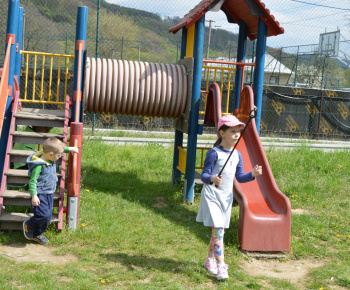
<point>347,78</point>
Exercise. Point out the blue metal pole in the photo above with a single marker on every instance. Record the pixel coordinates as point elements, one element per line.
<point>241,53</point>
<point>176,174</point>
<point>259,70</point>
<point>19,37</point>
<point>194,113</point>
<point>81,30</point>
<point>12,22</point>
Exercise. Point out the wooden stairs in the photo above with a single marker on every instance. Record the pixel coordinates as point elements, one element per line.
<point>14,193</point>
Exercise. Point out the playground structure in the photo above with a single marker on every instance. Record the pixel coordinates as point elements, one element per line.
<point>148,89</point>
<point>12,114</point>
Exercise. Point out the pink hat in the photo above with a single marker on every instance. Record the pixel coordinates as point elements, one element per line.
<point>230,121</point>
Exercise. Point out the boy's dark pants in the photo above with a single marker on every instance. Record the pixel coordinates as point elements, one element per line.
<point>42,214</point>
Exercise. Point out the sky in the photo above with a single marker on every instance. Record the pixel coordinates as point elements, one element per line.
<point>302,20</point>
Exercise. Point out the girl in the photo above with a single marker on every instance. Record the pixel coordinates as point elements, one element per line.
<point>216,202</point>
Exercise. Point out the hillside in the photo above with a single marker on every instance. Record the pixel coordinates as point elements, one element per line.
<point>50,27</point>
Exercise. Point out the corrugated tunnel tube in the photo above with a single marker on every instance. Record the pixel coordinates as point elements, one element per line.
<point>135,88</point>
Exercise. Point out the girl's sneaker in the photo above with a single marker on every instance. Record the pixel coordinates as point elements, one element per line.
<point>211,266</point>
<point>222,271</point>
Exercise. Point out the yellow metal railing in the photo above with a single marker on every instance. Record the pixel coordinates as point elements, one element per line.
<point>211,75</point>
<point>183,154</point>
<point>44,90</point>
<point>222,76</point>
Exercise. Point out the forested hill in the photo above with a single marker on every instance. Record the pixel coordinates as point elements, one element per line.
<point>55,17</point>
<point>46,20</point>
<point>154,22</point>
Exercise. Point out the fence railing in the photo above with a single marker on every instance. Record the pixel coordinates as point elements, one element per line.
<point>43,80</point>
<point>221,72</point>
<point>214,74</point>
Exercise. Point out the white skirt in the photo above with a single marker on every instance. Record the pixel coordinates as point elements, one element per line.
<point>215,207</point>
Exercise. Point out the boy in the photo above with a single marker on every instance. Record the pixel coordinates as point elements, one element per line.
<point>42,185</point>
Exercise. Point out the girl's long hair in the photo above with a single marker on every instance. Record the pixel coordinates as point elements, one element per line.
<point>222,128</point>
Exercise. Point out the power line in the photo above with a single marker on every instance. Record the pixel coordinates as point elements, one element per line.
<point>320,5</point>
<point>306,25</point>
<point>293,8</point>
<point>313,18</point>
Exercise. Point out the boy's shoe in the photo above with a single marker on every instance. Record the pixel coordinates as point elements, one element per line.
<point>28,231</point>
<point>222,271</point>
<point>41,239</point>
<point>211,266</point>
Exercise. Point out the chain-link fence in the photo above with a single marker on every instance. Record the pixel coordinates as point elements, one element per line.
<point>296,112</point>
<point>138,31</point>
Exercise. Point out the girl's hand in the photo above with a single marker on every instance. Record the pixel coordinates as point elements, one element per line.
<point>257,170</point>
<point>35,200</point>
<point>216,179</point>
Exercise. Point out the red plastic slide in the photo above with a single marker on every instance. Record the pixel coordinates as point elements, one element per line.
<point>265,212</point>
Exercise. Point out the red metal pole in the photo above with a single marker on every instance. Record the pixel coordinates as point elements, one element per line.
<point>74,164</point>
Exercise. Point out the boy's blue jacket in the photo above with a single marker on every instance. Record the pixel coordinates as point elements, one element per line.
<point>47,181</point>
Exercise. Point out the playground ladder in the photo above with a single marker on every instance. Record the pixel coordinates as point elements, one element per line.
<point>17,202</point>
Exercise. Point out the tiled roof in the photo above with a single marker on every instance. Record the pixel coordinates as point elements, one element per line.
<point>247,10</point>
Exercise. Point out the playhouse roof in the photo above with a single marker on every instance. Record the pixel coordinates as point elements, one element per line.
<point>247,10</point>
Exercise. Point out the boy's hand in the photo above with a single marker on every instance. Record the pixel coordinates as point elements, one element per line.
<point>73,149</point>
<point>216,180</point>
<point>257,170</point>
<point>35,200</point>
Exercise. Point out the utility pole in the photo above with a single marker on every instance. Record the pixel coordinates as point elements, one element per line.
<point>139,50</point>
<point>210,21</point>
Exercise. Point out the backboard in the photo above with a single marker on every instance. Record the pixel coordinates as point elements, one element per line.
<point>329,43</point>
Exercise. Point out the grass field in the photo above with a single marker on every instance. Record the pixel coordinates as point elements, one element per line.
<point>135,232</point>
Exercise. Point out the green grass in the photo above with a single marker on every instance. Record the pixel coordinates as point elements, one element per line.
<point>135,231</point>
<point>141,134</point>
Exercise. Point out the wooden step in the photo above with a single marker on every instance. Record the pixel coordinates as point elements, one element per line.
<point>33,137</point>
<point>20,176</point>
<point>22,155</point>
<point>19,155</point>
<point>40,117</point>
<point>23,198</point>
<point>14,221</point>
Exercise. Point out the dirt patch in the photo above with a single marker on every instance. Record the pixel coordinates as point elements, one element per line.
<point>294,271</point>
<point>300,211</point>
<point>160,202</point>
<point>34,253</point>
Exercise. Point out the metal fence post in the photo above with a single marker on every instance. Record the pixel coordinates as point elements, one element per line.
<point>296,67</point>
<point>280,64</point>
<point>121,52</point>
<point>253,60</point>
<point>324,65</point>
<point>98,26</point>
